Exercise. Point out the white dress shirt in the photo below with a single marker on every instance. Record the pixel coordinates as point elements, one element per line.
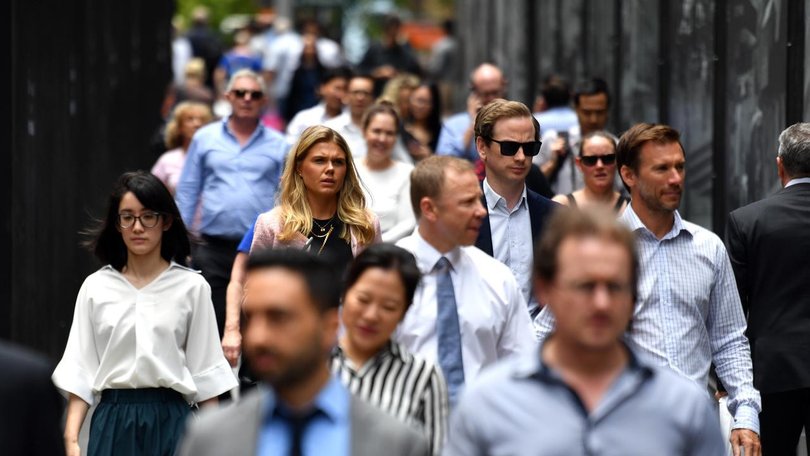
<point>388,194</point>
<point>512,242</point>
<point>163,335</point>
<point>304,119</point>
<point>492,314</point>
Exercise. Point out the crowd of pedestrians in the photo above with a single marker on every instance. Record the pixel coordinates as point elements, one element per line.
<point>329,264</point>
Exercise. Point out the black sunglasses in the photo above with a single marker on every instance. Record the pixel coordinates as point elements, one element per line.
<point>254,94</point>
<point>591,160</point>
<point>510,148</point>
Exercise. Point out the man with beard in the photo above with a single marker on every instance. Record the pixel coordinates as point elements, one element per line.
<point>688,313</point>
<point>291,321</point>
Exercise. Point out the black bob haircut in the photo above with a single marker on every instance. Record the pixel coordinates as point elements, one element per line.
<point>390,258</point>
<point>106,241</point>
<point>321,277</point>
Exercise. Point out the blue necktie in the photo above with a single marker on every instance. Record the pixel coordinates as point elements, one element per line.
<point>447,327</point>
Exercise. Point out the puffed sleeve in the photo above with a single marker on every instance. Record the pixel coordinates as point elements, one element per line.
<point>77,369</point>
<point>204,357</point>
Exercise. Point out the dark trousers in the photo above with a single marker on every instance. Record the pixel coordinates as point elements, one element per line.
<point>214,257</point>
<point>783,416</point>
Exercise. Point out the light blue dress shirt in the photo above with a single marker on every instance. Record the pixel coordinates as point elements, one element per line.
<point>451,138</point>
<point>233,183</point>
<point>688,313</point>
<point>328,433</point>
<point>561,118</point>
<point>522,406</point>
<point>512,242</point>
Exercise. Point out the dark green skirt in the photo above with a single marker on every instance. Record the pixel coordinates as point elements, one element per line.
<point>137,422</point>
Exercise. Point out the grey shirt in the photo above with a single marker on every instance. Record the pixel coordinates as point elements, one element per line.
<point>522,406</point>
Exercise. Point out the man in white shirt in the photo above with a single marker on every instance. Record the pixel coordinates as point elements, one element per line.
<point>359,96</point>
<point>490,315</point>
<point>332,92</point>
<point>507,139</point>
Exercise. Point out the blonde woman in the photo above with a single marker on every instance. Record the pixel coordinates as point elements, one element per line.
<point>320,206</point>
<point>187,118</point>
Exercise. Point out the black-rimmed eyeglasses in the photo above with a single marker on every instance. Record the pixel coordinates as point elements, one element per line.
<point>510,148</point>
<point>147,219</point>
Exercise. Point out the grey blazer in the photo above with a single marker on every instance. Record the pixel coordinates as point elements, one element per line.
<point>234,430</point>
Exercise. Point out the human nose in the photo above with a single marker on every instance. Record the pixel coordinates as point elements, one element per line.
<point>371,313</point>
<point>480,211</point>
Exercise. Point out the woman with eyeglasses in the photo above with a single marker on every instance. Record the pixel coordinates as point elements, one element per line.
<point>321,206</point>
<point>386,182</point>
<point>597,162</point>
<point>379,289</point>
<point>144,336</point>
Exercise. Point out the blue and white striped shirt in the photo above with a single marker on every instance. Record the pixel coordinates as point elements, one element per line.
<point>688,312</point>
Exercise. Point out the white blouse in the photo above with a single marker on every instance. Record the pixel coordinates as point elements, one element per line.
<point>163,335</point>
<point>388,195</point>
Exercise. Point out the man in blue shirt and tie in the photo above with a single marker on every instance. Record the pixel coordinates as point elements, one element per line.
<point>230,176</point>
<point>585,391</point>
<point>290,327</point>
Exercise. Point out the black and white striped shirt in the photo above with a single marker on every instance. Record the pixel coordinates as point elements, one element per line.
<point>407,387</point>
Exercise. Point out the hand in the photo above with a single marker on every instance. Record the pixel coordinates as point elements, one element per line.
<point>72,448</point>
<point>558,147</point>
<point>473,105</point>
<point>748,440</point>
<point>418,151</point>
<point>232,346</point>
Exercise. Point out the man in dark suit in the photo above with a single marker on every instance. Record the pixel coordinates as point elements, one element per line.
<point>30,407</point>
<point>507,137</point>
<point>769,242</point>
<point>290,305</point>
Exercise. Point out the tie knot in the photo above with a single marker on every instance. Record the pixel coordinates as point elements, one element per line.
<point>442,265</point>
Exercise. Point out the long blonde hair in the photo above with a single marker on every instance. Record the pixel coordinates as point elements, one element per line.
<point>296,216</point>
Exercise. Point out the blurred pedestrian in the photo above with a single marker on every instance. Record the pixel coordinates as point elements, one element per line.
<point>390,56</point>
<point>386,181</point>
<point>332,92</point>
<point>187,117</point>
<point>445,66</point>
<point>205,43</point>
<point>240,56</point>
<point>231,173</point>
<point>423,122</point>
<point>143,335</point>
<point>379,289</point>
<point>585,391</point>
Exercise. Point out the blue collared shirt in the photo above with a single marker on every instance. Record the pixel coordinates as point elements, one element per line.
<point>512,242</point>
<point>523,406</point>
<point>561,118</point>
<point>688,312</point>
<point>451,138</point>
<point>328,433</point>
<point>233,183</point>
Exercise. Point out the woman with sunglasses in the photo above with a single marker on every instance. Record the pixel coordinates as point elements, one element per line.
<point>320,206</point>
<point>380,286</point>
<point>597,162</point>
<point>144,335</point>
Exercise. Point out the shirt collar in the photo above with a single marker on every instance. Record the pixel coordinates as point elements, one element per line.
<point>332,401</point>
<point>427,255</point>
<point>256,133</point>
<point>631,220</point>
<point>531,365</point>
<point>493,198</point>
<point>798,180</point>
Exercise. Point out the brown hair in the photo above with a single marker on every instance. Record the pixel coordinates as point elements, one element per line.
<point>173,138</point>
<point>631,142</point>
<point>591,222</point>
<point>498,109</point>
<point>427,178</point>
<point>380,107</point>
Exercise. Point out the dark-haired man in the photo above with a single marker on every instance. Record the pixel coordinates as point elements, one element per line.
<point>556,158</point>
<point>768,242</point>
<point>688,312</point>
<point>585,391</point>
<point>332,92</point>
<point>291,321</point>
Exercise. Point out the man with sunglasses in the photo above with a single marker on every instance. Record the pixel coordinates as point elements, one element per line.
<point>506,137</point>
<point>231,174</point>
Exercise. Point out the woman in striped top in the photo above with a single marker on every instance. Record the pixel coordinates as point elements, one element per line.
<point>379,289</point>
